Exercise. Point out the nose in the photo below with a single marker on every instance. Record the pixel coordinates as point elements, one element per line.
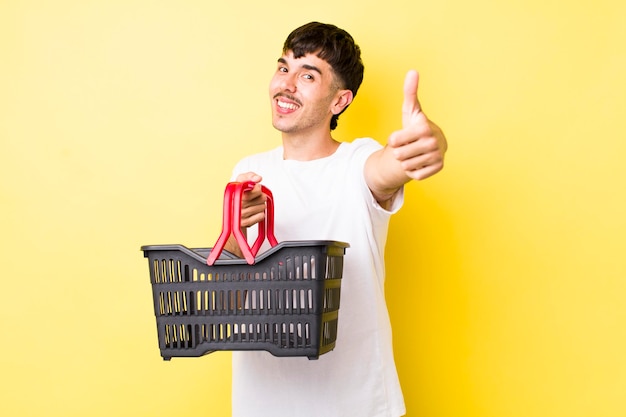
<point>287,82</point>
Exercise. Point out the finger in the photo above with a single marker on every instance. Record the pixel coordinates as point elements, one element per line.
<point>252,206</point>
<point>254,196</point>
<point>250,218</point>
<point>410,105</point>
<point>249,176</point>
<point>412,133</point>
<point>422,166</point>
<point>415,149</point>
<point>425,172</point>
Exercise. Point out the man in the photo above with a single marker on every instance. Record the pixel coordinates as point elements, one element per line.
<point>327,190</point>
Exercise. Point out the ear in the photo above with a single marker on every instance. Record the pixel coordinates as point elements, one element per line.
<point>342,100</point>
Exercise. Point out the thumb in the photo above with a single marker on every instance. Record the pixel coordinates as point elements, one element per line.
<point>411,105</point>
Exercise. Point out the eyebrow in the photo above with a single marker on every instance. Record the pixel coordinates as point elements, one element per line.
<point>305,66</point>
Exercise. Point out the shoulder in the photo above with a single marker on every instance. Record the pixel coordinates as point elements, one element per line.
<point>359,149</point>
<point>260,158</point>
<point>266,155</point>
<point>363,145</point>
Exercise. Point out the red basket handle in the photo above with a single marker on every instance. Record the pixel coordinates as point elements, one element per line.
<point>231,223</point>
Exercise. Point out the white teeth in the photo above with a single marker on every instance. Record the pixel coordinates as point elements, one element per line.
<point>287,106</point>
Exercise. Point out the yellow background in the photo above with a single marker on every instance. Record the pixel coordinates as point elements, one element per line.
<point>120,122</point>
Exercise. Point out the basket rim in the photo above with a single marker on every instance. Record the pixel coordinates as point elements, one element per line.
<point>235,260</point>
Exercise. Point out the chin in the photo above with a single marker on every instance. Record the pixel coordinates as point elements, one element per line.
<point>282,127</point>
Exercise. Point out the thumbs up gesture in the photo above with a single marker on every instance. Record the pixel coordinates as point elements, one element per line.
<point>414,152</point>
<point>420,145</point>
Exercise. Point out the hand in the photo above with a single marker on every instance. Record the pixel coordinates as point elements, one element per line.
<point>252,202</point>
<point>420,145</point>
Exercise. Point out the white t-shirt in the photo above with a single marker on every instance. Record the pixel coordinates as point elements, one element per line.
<point>328,199</point>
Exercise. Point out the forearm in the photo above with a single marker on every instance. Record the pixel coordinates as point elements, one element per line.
<point>384,175</point>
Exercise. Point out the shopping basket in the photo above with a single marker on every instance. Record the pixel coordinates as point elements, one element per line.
<point>284,301</point>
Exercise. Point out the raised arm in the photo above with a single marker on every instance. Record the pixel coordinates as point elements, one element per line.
<point>414,152</point>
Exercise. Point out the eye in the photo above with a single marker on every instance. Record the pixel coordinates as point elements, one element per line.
<point>308,77</point>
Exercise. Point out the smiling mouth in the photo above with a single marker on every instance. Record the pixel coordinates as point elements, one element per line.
<point>286,106</point>
<point>291,104</point>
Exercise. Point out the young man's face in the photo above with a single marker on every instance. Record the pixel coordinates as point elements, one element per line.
<point>305,94</point>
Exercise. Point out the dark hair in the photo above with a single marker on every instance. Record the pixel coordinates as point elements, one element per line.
<point>333,45</point>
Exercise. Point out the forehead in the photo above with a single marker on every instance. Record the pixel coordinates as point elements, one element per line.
<point>307,61</point>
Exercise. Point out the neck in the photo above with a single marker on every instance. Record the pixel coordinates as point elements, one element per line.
<point>308,148</point>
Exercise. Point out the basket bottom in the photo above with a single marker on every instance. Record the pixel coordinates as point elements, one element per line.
<point>279,339</point>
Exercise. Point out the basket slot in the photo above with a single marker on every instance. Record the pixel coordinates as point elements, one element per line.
<point>188,336</point>
<point>198,276</point>
<point>304,267</point>
<point>259,301</point>
<point>210,302</point>
<point>283,334</point>
<point>334,267</point>
<point>220,332</point>
<point>294,301</point>
<point>174,303</point>
<point>331,299</point>
<point>178,336</point>
<point>171,270</point>
<point>296,268</point>
<point>329,332</point>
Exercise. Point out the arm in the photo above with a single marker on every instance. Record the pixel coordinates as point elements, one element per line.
<point>414,152</point>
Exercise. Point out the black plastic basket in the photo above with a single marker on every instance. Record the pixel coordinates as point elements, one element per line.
<point>284,301</point>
